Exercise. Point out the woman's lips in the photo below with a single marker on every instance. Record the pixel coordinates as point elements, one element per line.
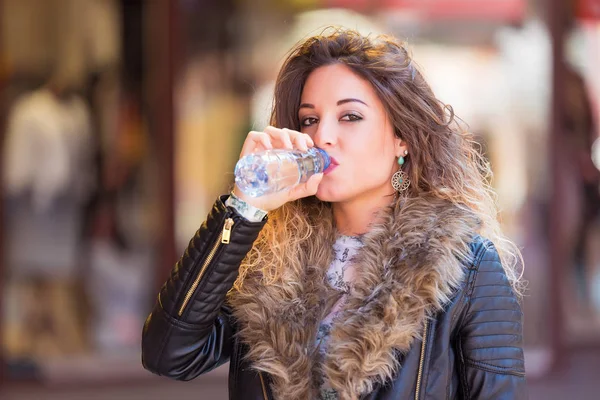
<point>332,165</point>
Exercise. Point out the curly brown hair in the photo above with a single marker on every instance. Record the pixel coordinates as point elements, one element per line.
<point>445,161</point>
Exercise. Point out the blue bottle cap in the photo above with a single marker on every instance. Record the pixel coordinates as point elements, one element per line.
<point>325,158</point>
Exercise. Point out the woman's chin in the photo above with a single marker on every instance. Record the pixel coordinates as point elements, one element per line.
<point>327,194</point>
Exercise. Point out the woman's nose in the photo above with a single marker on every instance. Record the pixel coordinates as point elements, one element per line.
<point>325,136</point>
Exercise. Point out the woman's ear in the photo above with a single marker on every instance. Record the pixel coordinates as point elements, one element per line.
<point>401,148</point>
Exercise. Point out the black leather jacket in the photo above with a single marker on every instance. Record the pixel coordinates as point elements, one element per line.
<point>471,350</point>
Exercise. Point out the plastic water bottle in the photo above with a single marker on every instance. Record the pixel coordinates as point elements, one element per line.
<point>272,171</point>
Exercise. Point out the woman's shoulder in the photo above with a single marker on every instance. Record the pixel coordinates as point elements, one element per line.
<point>478,246</point>
<point>486,265</point>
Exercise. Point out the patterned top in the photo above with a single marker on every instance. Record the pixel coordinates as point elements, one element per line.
<point>340,276</point>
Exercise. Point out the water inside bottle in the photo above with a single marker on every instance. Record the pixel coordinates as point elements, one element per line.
<point>269,172</point>
<point>275,170</point>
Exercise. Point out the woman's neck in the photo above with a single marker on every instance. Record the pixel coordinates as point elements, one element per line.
<point>355,217</point>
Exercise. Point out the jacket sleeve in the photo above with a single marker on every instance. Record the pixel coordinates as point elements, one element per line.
<point>189,331</point>
<point>491,362</point>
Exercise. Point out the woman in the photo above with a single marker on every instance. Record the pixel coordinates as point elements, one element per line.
<point>385,278</point>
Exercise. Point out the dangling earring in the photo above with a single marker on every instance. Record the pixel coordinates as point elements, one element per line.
<point>400,180</point>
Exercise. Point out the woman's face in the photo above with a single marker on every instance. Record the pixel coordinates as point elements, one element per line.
<point>342,113</point>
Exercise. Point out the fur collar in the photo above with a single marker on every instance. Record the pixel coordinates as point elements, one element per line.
<point>407,270</point>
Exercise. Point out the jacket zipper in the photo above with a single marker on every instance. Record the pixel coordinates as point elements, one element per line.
<point>421,361</point>
<point>264,387</point>
<point>224,239</point>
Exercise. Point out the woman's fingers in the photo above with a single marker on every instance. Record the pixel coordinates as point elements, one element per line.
<point>306,189</point>
<point>276,138</point>
<point>301,141</point>
<point>308,139</point>
<point>256,141</point>
<point>275,200</point>
<point>280,136</point>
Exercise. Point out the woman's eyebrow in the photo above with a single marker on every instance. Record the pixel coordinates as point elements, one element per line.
<point>344,101</point>
<point>339,103</point>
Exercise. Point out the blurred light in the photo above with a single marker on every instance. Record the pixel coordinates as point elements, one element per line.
<point>596,153</point>
<point>588,9</point>
<point>497,10</point>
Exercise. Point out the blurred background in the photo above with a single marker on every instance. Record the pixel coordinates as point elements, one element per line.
<point>121,122</point>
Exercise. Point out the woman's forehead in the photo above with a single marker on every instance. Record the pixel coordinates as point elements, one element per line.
<point>333,83</point>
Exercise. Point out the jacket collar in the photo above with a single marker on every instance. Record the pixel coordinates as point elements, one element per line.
<point>407,270</point>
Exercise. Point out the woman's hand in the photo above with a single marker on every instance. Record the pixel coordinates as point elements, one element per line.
<point>275,138</point>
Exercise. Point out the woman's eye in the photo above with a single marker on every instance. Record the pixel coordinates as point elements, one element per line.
<point>309,121</point>
<point>351,117</point>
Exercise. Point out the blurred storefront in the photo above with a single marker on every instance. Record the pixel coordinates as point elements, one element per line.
<point>582,53</point>
<point>170,90</point>
<point>82,219</point>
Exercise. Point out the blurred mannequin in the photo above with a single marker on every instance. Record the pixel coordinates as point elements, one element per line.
<point>47,177</point>
<point>48,139</point>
